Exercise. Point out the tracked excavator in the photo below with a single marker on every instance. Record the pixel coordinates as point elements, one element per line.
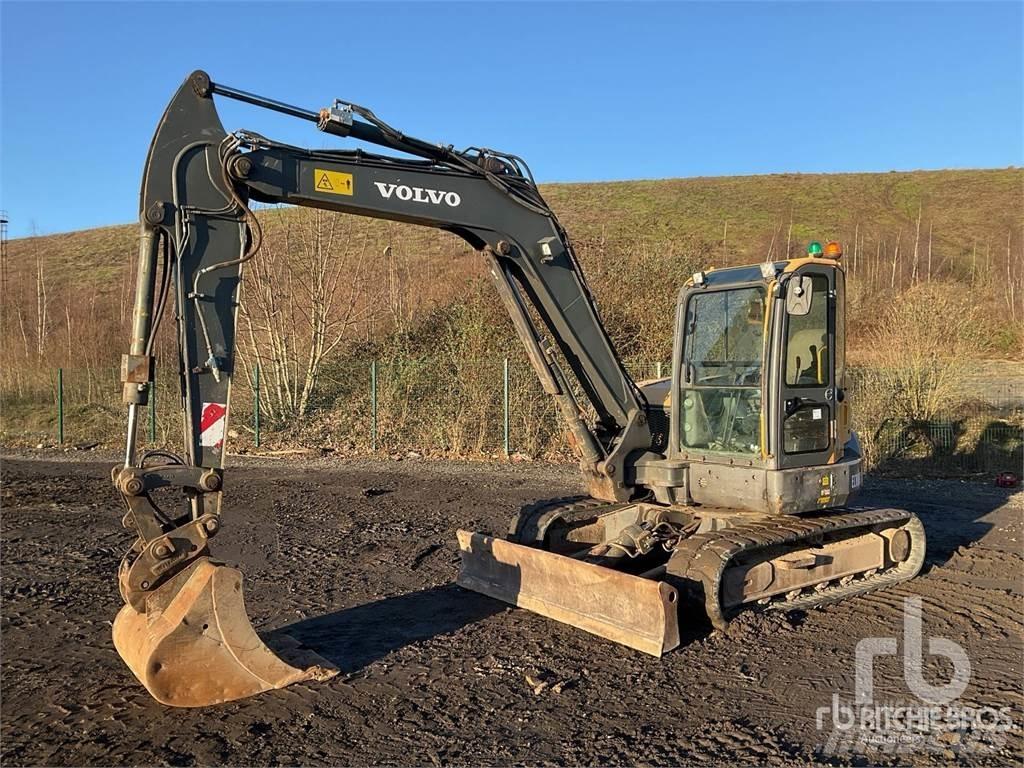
<point>727,485</point>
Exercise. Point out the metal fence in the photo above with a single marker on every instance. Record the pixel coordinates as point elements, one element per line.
<point>438,404</point>
<point>446,406</point>
<point>982,436</point>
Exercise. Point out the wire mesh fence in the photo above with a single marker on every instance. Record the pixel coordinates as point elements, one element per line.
<point>983,435</point>
<point>446,406</point>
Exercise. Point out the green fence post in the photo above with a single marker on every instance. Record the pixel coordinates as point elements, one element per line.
<point>152,411</point>
<point>505,401</point>
<point>256,405</point>
<point>373,405</point>
<point>60,406</point>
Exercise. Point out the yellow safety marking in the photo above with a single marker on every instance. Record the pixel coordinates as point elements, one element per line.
<point>334,182</point>
<point>765,341</point>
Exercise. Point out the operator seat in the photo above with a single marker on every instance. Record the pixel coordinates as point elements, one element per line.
<point>807,357</point>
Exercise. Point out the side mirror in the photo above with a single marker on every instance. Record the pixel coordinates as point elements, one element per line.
<point>798,295</point>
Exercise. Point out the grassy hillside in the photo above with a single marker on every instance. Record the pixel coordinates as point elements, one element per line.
<point>417,301</point>
<point>964,205</point>
<point>966,208</point>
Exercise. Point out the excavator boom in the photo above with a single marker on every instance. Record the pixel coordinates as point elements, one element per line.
<point>184,619</point>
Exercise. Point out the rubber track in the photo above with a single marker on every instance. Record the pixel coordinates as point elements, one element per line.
<point>703,558</point>
<point>531,524</point>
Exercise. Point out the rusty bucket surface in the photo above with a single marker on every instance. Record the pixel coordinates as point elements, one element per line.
<point>194,646</point>
<point>637,612</point>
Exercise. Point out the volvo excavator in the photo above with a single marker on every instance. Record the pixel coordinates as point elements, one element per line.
<point>728,484</point>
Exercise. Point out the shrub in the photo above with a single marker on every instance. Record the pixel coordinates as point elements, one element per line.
<point>921,356</point>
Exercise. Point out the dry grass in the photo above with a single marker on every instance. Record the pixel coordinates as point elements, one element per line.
<point>919,364</point>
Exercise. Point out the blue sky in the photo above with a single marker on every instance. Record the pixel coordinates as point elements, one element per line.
<point>581,91</point>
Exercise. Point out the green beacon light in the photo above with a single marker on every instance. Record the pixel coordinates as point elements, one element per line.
<point>814,249</point>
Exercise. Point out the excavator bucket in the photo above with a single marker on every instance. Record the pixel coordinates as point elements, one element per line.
<point>637,612</point>
<point>194,645</point>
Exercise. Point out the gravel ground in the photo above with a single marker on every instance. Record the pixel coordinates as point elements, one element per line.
<point>357,559</point>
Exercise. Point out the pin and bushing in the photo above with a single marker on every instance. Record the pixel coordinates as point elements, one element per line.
<point>132,485</point>
<point>210,481</point>
<point>163,549</point>
<point>240,167</point>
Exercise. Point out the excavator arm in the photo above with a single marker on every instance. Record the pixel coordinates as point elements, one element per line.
<point>501,214</point>
<point>183,630</point>
<point>196,190</point>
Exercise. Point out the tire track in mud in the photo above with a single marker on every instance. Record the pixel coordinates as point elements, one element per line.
<point>434,674</point>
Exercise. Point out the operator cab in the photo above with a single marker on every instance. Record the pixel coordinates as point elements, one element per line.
<point>758,379</point>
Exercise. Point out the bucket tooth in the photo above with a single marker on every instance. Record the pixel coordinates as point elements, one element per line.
<point>194,645</point>
<point>637,612</point>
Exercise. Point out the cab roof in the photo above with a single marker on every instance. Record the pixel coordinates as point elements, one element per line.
<point>756,273</point>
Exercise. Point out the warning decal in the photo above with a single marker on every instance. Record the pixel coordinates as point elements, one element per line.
<point>211,425</point>
<point>334,182</point>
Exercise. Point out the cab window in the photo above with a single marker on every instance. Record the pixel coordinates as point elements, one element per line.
<point>722,366</point>
<point>807,418</point>
<point>807,340</point>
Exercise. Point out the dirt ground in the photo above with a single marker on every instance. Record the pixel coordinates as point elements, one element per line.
<point>357,559</point>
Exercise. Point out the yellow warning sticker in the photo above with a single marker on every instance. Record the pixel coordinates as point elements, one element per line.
<point>333,182</point>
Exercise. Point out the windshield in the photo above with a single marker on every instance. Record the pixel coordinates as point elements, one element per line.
<point>722,361</point>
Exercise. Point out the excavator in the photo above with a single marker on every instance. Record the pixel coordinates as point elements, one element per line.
<point>727,485</point>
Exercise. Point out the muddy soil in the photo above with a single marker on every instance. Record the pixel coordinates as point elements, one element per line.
<point>357,560</point>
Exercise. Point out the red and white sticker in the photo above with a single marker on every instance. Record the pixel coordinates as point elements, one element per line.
<point>211,425</point>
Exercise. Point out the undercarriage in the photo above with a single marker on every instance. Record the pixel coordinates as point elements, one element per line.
<point>623,571</point>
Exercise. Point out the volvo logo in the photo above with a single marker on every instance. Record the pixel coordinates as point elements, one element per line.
<point>418,194</point>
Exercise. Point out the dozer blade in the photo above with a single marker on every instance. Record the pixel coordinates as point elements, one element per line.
<point>194,645</point>
<point>637,612</point>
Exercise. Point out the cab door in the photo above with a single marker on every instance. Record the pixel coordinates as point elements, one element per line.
<point>807,408</point>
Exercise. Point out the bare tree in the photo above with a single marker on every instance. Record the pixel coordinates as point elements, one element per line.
<point>789,234</point>
<point>398,288</point>
<point>24,333</point>
<point>895,260</point>
<point>771,245</point>
<point>878,262</point>
<point>42,307</point>
<point>1010,298</point>
<point>917,242</point>
<point>856,247</point>
<point>305,293</point>
<point>930,223</point>
<point>71,336</point>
